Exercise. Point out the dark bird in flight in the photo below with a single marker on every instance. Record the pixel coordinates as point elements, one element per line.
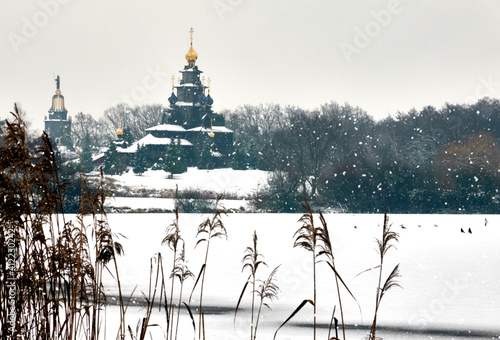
<point>485,222</point>
<point>402,226</point>
<point>470,231</point>
<point>462,230</point>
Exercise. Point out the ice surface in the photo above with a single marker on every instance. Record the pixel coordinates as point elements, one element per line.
<point>450,279</point>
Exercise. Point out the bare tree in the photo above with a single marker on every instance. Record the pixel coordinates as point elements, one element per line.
<point>135,120</point>
<point>86,126</point>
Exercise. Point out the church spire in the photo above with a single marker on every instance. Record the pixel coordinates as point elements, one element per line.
<point>58,98</point>
<point>57,125</point>
<point>191,56</point>
<point>119,131</point>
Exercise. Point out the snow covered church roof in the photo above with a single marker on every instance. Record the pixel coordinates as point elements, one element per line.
<point>166,127</point>
<point>220,129</point>
<point>151,140</point>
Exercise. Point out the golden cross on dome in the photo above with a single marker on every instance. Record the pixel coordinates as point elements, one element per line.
<point>173,83</point>
<point>203,83</point>
<point>191,33</point>
<point>208,81</point>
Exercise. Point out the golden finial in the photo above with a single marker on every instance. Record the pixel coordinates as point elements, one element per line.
<point>211,134</point>
<point>203,83</point>
<point>208,86</point>
<point>173,83</point>
<point>119,132</point>
<point>178,80</point>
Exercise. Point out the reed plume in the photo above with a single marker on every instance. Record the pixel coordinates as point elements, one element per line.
<point>384,244</point>
<point>211,228</point>
<point>308,237</point>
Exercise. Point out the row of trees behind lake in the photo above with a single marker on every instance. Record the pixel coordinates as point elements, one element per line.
<point>443,160</point>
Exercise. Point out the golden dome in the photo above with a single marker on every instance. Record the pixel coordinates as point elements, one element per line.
<point>191,56</point>
<point>58,102</point>
<point>119,132</point>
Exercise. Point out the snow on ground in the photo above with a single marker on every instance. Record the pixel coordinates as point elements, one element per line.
<point>450,279</point>
<point>223,181</point>
<point>165,204</point>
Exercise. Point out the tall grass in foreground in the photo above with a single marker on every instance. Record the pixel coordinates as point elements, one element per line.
<point>251,261</point>
<point>172,240</point>
<point>51,273</point>
<point>384,244</point>
<point>308,237</point>
<point>267,290</point>
<point>211,228</point>
<point>327,252</point>
<point>181,272</point>
<point>317,241</point>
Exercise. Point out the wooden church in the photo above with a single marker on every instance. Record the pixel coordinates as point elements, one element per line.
<point>189,121</point>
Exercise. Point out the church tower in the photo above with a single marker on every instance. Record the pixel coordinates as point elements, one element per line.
<point>191,107</point>
<point>190,120</point>
<point>57,125</point>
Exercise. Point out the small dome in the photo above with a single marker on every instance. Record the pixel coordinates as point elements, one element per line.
<point>172,99</point>
<point>210,101</point>
<point>119,132</point>
<point>203,99</point>
<point>191,56</point>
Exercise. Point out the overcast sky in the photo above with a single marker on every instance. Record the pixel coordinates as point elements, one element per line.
<point>384,56</point>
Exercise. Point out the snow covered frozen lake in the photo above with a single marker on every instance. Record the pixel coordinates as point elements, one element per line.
<point>450,279</point>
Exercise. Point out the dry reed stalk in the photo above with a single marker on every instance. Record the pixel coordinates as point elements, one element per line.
<point>209,229</point>
<point>252,261</point>
<point>307,237</point>
<point>384,244</point>
<point>268,290</point>
<point>57,289</point>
